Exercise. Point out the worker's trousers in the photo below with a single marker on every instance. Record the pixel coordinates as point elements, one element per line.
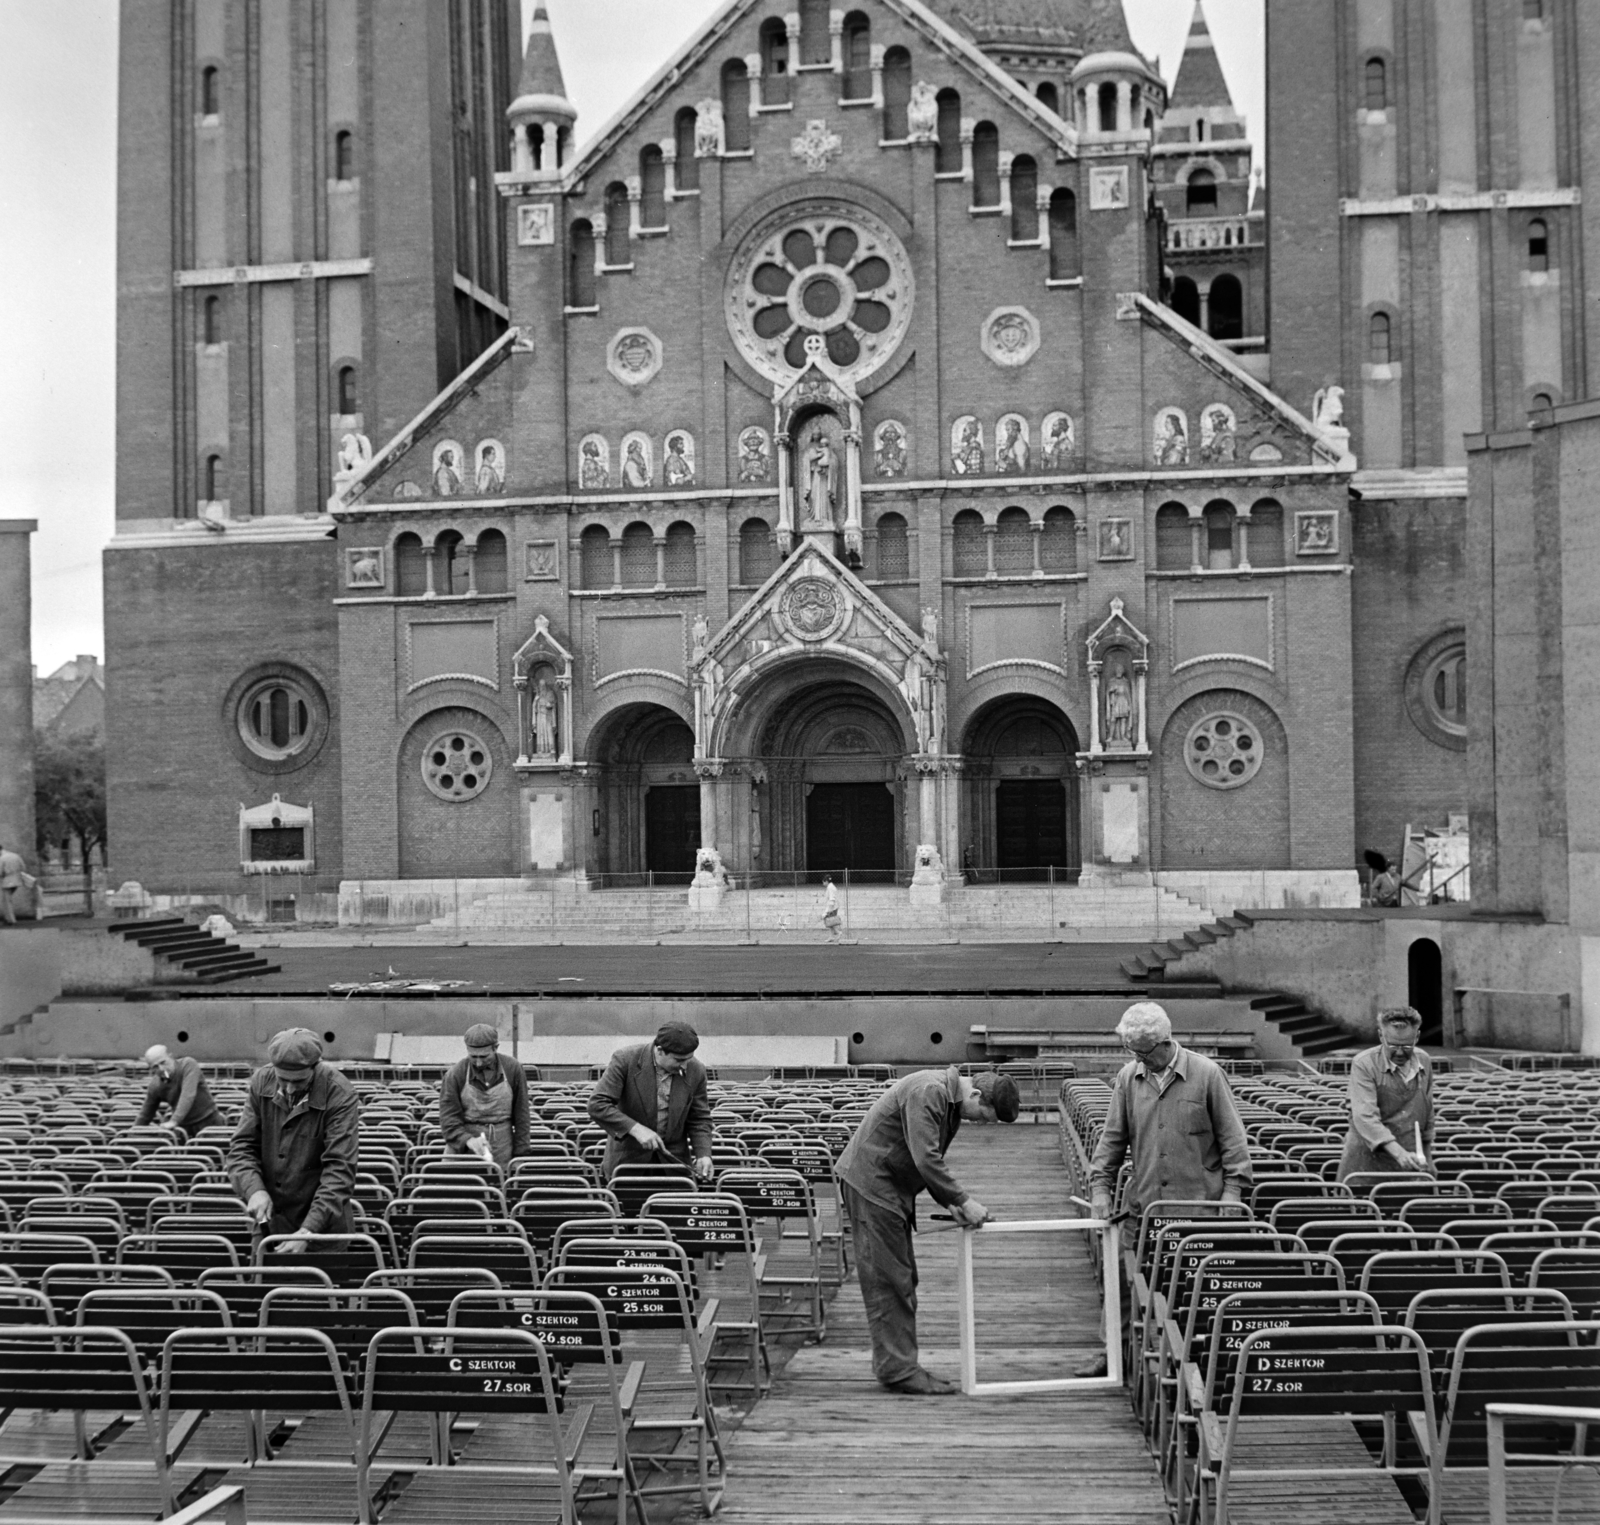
<point>886,1267</point>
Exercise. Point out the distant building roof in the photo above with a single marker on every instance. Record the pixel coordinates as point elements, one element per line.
<point>1200,81</point>
<point>1083,26</point>
<point>72,698</point>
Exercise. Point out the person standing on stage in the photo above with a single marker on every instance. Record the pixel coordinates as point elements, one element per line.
<point>483,1101</point>
<point>652,1101</point>
<point>179,1084</point>
<point>1391,1100</point>
<point>897,1152</point>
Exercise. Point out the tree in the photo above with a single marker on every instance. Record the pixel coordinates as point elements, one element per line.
<point>69,793</point>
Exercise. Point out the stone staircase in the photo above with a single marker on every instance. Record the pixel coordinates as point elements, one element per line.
<point>209,959</point>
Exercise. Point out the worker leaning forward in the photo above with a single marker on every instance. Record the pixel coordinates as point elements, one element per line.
<point>653,1102</point>
<point>179,1084</point>
<point>897,1152</point>
<point>483,1101</point>
<point>1391,1100</point>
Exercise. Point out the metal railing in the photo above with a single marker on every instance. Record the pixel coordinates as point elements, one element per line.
<point>1496,1414</point>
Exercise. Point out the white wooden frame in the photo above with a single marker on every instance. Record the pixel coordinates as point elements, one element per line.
<point>1111,1255</point>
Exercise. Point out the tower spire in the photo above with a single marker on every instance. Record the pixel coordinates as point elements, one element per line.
<point>541,116</point>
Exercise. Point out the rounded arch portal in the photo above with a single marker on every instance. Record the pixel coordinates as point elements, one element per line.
<point>1020,813</point>
<point>647,820</point>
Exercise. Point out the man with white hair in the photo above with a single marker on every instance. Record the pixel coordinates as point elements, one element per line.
<point>179,1084</point>
<point>1174,1111</point>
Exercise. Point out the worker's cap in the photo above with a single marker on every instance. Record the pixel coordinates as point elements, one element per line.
<point>481,1035</point>
<point>677,1038</point>
<point>1000,1092</point>
<point>156,1054</point>
<point>1400,1016</point>
<point>294,1053</point>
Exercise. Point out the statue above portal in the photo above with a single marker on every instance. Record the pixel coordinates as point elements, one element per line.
<point>821,469</point>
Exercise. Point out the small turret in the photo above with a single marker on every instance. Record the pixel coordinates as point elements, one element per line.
<point>541,116</point>
<point>1116,94</point>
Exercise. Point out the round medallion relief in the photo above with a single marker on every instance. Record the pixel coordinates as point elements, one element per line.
<point>456,766</point>
<point>1223,751</point>
<point>813,609</point>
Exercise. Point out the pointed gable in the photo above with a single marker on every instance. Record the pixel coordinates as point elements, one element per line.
<point>1200,81</point>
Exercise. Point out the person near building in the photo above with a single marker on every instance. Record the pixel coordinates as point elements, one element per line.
<point>12,875</point>
<point>1173,1113</point>
<point>830,908</point>
<point>293,1155</point>
<point>177,1083</point>
<point>1391,1100</point>
<point>483,1101</point>
<point>897,1152</point>
<point>652,1102</point>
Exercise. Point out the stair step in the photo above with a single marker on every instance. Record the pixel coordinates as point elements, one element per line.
<point>240,971</point>
<point>1234,923</point>
<point>210,957</point>
<point>152,924</point>
<point>1324,1044</point>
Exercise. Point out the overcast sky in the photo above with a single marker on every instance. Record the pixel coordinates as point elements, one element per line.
<point>58,102</point>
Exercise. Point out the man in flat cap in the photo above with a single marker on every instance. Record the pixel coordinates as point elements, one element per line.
<point>483,1101</point>
<point>177,1083</point>
<point>652,1101</point>
<point>897,1152</point>
<point>293,1156</point>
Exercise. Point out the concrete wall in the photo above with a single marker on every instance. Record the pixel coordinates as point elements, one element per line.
<point>46,963</point>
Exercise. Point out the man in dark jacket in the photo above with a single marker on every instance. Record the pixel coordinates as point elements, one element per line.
<point>652,1101</point>
<point>177,1083</point>
<point>897,1152</point>
<point>483,1101</point>
<point>293,1157</point>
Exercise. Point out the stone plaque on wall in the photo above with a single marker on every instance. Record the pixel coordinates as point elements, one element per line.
<point>639,643</point>
<point>1015,635</point>
<point>465,649</point>
<point>1210,629</point>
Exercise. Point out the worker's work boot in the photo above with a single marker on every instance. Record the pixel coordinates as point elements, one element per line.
<point>923,1384</point>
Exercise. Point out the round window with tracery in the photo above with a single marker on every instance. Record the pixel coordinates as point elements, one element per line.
<point>836,272</point>
<point>456,766</point>
<point>277,718</point>
<point>1223,751</point>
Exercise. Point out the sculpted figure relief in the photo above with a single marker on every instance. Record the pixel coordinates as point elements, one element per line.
<point>755,456</point>
<point>710,132</point>
<point>678,468</point>
<point>889,458</point>
<point>922,113</point>
<point>821,468</point>
<point>544,718</point>
<point>1119,709</point>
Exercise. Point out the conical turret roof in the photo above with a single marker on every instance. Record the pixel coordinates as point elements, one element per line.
<point>1200,81</point>
<point>541,87</point>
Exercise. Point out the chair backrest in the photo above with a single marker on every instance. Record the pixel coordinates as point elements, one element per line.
<point>1568,1210</point>
<point>771,1191</point>
<point>349,1316</point>
<point>243,1289</point>
<point>1395,1193</point>
<point>632,1184</point>
<point>103,1233</point>
<point>1192,1242</point>
<point>1259,1273</point>
<point>1288,1215</point>
<point>510,1257</point>
<point>1266,1194</point>
<point>634,1297</point>
<point>1573,1271</point>
<point>148,1315</point>
<point>1170,1213</point>
<point>1218,1252</point>
<point>606,1228</point>
<point>434,1288</point>
<point>347,1260</point>
<point>1521,1247</point>
<point>30,1255</point>
<point>703,1223</point>
<point>572,1326</point>
<point>184,1255</point>
<point>1470,1232</point>
<point>276,1370</point>
<point>44,1367</point>
<point>1430,1214</point>
<point>237,1228</point>
<point>1353,1249</point>
<point>1502,1362</point>
<point>1395,1277</point>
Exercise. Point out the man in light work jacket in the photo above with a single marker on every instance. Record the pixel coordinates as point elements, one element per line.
<point>179,1084</point>
<point>1391,1100</point>
<point>897,1152</point>
<point>1174,1111</point>
<point>652,1101</point>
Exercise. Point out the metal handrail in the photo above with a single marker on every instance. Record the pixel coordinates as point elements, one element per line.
<point>1496,1415</point>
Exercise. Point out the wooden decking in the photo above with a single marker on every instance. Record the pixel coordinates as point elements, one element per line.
<point>829,1447</point>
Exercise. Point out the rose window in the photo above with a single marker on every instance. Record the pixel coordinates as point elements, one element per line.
<point>1223,751</point>
<point>843,277</point>
<point>456,766</point>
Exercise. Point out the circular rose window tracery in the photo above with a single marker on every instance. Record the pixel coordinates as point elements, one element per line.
<point>837,272</point>
<point>456,766</point>
<point>1223,751</point>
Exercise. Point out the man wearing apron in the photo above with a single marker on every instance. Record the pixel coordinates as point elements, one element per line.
<point>1391,1100</point>
<point>483,1101</point>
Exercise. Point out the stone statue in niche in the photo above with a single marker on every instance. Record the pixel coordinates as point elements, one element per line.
<point>1118,701</point>
<point>755,456</point>
<point>922,114</point>
<point>1327,408</point>
<point>710,132</point>
<point>821,472</point>
<point>542,714</point>
<point>889,454</point>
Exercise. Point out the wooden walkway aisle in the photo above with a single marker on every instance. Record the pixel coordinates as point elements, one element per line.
<point>830,1447</point>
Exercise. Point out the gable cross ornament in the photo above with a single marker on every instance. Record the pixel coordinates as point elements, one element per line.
<point>817,146</point>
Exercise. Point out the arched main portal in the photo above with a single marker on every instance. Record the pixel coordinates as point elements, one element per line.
<point>1021,793</point>
<point>649,812</point>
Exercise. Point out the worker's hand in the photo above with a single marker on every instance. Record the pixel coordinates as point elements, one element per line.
<point>647,1138</point>
<point>970,1214</point>
<point>260,1206</point>
<point>1100,1207</point>
<point>479,1146</point>
<point>295,1244</point>
<point>1232,1196</point>
<point>703,1167</point>
<point>1407,1161</point>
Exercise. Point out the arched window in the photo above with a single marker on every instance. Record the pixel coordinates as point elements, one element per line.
<point>1024,198</point>
<point>210,91</point>
<point>580,278</point>
<point>638,556</point>
<point>344,155</point>
<point>1049,96</point>
<point>816,45</point>
<point>1200,129</point>
<point>894,549</point>
<point>212,326</point>
<point>1225,308</point>
<point>1186,300</point>
<point>968,554</point>
<point>212,479</point>
<point>1219,536</point>
<point>489,563</point>
<point>1108,107</point>
<point>1058,545</point>
<point>1064,264</point>
<point>1200,194</point>
<point>617,250</point>
<point>1266,533</point>
<point>986,165</point>
<point>687,171</point>
<point>775,79</point>
<point>736,106</point>
<point>1380,340</point>
<point>756,559</point>
<point>1542,402</point>
<point>681,568</point>
<point>857,57</point>
<point>652,187</point>
<point>347,390</point>
<point>947,154</point>
<point>410,570</point>
<point>1376,81</point>
<point>896,94</point>
<point>1013,543</point>
<point>1538,244</point>
<point>1174,542</point>
<point>451,566</point>
<point>595,567</point>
